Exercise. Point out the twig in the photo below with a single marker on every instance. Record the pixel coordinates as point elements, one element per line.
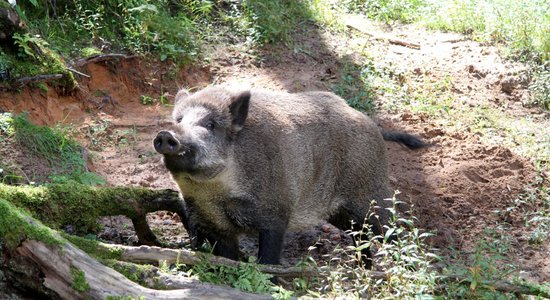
<point>78,72</point>
<point>503,286</point>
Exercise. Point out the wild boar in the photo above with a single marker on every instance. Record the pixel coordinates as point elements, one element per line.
<point>266,162</point>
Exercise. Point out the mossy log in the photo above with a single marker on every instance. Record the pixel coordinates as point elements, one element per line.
<point>38,261</point>
<point>59,205</point>
<point>154,255</point>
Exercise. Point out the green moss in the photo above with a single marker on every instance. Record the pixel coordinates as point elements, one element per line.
<point>136,272</point>
<point>94,248</point>
<point>72,203</point>
<point>79,280</point>
<point>15,226</point>
<point>89,51</point>
<point>34,58</point>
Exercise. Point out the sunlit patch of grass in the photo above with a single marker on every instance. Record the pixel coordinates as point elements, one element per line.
<point>523,25</point>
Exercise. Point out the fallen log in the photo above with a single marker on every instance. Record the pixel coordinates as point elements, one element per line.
<point>154,255</point>
<point>58,205</point>
<point>21,82</point>
<point>43,263</point>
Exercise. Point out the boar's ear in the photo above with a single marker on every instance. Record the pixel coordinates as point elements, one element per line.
<point>180,95</point>
<point>239,110</point>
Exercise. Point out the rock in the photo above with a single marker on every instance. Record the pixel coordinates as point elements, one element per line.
<point>336,237</point>
<point>326,228</point>
<point>477,72</point>
<point>509,84</point>
<point>433,132</point>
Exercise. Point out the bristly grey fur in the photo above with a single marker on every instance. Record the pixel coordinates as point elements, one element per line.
<point>278,161</point>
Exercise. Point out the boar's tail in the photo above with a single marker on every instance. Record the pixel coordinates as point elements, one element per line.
<point>411,141</point>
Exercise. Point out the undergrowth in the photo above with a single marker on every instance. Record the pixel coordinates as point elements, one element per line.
<point>246,277</point>
<point>407,261</point>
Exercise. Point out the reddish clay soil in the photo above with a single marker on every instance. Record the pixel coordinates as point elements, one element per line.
<point>454,187</point>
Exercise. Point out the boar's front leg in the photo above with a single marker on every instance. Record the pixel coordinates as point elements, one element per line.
<point>271,245</point>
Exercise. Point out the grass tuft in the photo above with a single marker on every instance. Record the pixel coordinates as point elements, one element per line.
<point>62,152</point>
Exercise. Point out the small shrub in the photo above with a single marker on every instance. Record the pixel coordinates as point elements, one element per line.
<point>540,85</point>
<point>355,87</point>
<point>407,263</point>
<point>246,277</point>
<point>387,10</point>
<point>146,100</point>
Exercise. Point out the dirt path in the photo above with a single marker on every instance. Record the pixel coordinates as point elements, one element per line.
<point>455,187</point>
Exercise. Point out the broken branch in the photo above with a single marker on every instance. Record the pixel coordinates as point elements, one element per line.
<point>103,57</point>
<point>39,78</point>
<point>59,262</point>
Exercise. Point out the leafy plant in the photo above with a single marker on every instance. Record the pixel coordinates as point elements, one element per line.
<point>246,277</point>
<point>485,266</point>
<point>146,100</point>
<point>355,86</point>
<point>540,85</point>
<point>387,10</point>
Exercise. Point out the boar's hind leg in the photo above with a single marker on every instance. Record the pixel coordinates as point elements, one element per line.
<point>271,245</point>
<point>226,246</point>
<point>347,219</point>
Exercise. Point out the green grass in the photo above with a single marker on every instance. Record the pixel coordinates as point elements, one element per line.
<point>523,25</point>
<point>407,263</point>
<point>63,153</point>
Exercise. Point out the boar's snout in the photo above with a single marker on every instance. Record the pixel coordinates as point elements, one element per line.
<point>166,143</point>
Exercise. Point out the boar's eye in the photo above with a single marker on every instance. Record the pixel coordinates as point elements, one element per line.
<point>210,125</point>
<point>178,119</point>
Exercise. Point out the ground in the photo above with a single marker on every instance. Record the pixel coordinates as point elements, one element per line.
<point>454,187</point>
